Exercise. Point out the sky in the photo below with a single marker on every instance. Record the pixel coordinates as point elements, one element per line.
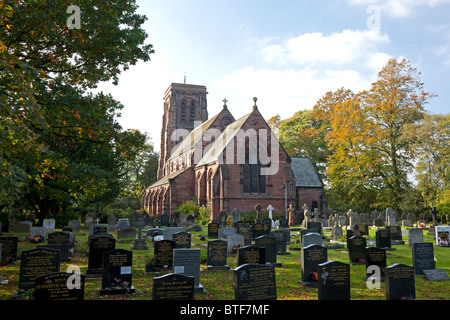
<point>286,53</point>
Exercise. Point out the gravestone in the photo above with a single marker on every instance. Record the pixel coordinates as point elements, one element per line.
<point>123,223</point>
<point>173,286</point>
<point>182,218</point>
<point>254,282</point>
<point>222,219</point>
<point>9,249</point>
<point>415,235</point>
<point>187,262</point>
<point>315,225</point>
<point>164,220</point>
<point>117,272</point>
<point>234,241</point>
<point>126,233</point>
<point>169,231</point>
<point>383,238</point>
<point>88,221</point>
<point>112,222</point>
<point>134,218</point>
<point>182,240</point>
<point>312,238</point>
<point>163,253</point>
<point>36,262</point>
<point>37,231</point>
<point>400,283</point>
<point>311,257</point>
<point>190,218</point>
<point>239,224</point>
<point>281,240</point>
<point>153,232</point>
<point>257,230</point>
<point>49,225</point>
<point>362,228</point>
<point>334,281</point>
<point>305,231</point>
<point>267,225</point>
<point>442,236</point>
<point>283,223</point>
<point>235,216</point>
<point>270,243</point>
<point>356,247</point>
<point>423,257</point>
<point>53,287</point>
<point>225,232</point>
<point>97,246</point>
<point>246,231</point>
<point>251,254</point>
<point>96,229</point>
<point>216,258</point>
<point>213,230</point>
<point>375,257</point>
<point>396,235</point>
<point>64,241</point>
<point>75,225</point>
<point>139,242</point>
<point>435,274</point>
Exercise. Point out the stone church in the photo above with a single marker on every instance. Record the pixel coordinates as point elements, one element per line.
<point>224,162</point>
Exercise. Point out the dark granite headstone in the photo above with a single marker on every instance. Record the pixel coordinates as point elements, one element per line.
<point>400,283</point>
<point>305,231</point>
<point>356,247</point>
<point>375,257</point>
<point>213,230</point>
<point>163,253</point>
<point>257,230</point>
<point>396,234</point>
<point>65,241</point>
<point>216,258</point>
<point>334,281</point>
<point>267,225</point>
<point>246,231</point>
<point>251,254</point>
<point>164,220</point>
<point>315,225</point>
<point>59,286</point>
<point>435,274</point>
<point>423,257</point>
<point>97,246</point>
<point>182,239</point>
<point>187,262</point>
<point>383,238</point>
<point>283,223</point>
<point>9,249</point>
<point>255,282</point>
<point>173,286</point>
<point>270,243</point>
<point>281,240</point>
<point>117,272</point>
<point>37,262</point>
<point>311,257</point>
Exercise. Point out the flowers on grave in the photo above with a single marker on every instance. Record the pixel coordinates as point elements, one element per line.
<point>314,276</point>
<point>36,239</point>
<point>119,284</point>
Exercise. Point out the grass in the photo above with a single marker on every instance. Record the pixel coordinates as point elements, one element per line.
<point>219,284</point>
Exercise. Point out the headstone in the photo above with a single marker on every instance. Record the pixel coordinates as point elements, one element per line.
<point>378,223</point>
<point>267,225</point>
<point>225,232</point>
<point>117,272</point>
<point>54,286</point>
<point>37,231</point>
<point>9,249</point>
<point>406,223</point>
<point>400,283</point>
<point>169,231</point>
<point>182,240</point>
<point>235,216</point>
<point>164,220</point>
<point>126,233</point>
<point>222,219</point>
<point>375,257</point>
<point>49,225</point>
<point>64,241</point>
<point>281,240</point>
<point>216,258</point>
<point>153,232</point>
<point>415,235</point>
<point>234,241</point>
<point>383,238</point>
<point>123,223</point>
<point>182,217</point>
<point>257,230</point>
<point>163,253</point>
<point>312,238</point>
<point>112,222</point>
<point>190,218</point>
<point>270,243</point>
<point>88,221</point>
<point>173,286</point>
<point>75,225</point>
<point>139,242</point>
<point>239,224</point>
<point>396,234</point>
<point>251,254</point>
<point>187,262</point>
<point>435,274</point>
<point>334,281</point>
<point>390,219</point>
<point>270,209</point>
<point>315,225</point>
<point>36,262</point>
<point>97,246</point>
<point>442,236</point>
<point>284,223</point>
<point>246,231</point>
<point>356,247</point>
<point>311,257</point>
<point>134,218</point>
<point>423,257</point>
<point>254,282</point>
<point>213,230</point>
<point>305,231</point>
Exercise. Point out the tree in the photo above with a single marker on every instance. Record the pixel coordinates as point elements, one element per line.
<point>61,143</point>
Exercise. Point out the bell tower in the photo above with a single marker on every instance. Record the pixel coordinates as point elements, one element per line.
<point>184,106</point>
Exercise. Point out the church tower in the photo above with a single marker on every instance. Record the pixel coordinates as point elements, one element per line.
<point>184,106</point>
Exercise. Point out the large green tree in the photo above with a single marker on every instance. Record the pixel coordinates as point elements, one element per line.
<point>59,142</point>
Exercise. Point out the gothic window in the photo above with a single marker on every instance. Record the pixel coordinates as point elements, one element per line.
<point>192,114</point>
<point>183,113</point>
<point>252,180</point>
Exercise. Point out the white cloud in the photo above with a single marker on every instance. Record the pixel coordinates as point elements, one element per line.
<point>399,8</point>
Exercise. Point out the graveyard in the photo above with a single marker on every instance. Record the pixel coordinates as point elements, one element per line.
<point>289,268</point>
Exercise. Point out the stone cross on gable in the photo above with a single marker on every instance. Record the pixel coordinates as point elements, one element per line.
<point>225,102</point>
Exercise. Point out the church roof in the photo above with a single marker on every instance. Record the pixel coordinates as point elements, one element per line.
<point>165,180</point>
<point>305,173</point>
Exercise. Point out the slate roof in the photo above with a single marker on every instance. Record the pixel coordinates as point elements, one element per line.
<point>305,173</point>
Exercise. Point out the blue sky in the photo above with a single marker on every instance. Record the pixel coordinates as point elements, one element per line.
<point>287,53</point>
